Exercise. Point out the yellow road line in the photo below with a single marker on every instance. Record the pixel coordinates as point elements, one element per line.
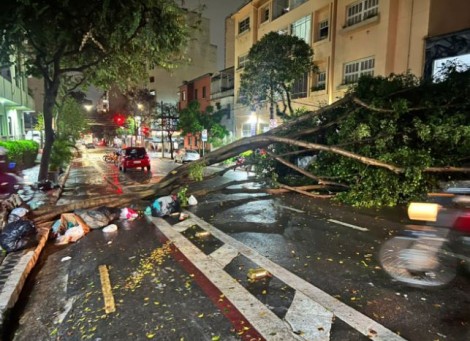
<point>109,306</point>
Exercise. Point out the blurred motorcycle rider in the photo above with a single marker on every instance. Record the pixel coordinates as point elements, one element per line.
<point>8,181</point>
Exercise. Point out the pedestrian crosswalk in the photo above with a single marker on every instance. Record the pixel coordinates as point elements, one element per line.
<point>312,313</point>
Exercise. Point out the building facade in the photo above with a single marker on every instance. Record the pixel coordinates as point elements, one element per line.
<point>350,38</point>
<point>15,101</point>
<point>222,98</point>
<point>198,89</point>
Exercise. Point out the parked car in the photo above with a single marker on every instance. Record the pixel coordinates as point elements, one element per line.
<point>133,157</point>
<point>186,155</point>
<point>89,146</point>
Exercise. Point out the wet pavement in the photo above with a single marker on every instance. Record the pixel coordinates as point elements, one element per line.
<point>325,283</point>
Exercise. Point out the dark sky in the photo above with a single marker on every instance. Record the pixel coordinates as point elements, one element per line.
<point>216,11</point>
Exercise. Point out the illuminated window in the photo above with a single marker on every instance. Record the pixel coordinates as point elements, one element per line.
<point>301,28</point>
<point>321,81</point>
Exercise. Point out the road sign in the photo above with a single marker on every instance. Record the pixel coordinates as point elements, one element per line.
<point>204,135</point>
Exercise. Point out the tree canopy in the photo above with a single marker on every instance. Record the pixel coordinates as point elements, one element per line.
<point>193,121</point>
<point>273,65</point>
<point>97,42</point>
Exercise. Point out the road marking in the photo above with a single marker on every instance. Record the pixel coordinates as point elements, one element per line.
<point>348,225</point>
<point>109,306</point>
<point>291,209</point>
<point>309,319</point>
<point>259,316</point>
<point>354,318</point>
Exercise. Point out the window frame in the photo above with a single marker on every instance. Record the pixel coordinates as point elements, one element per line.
<point>242,60</point>
<point>305,23</point>
<point>244,25</point>
<point>265,14</point>
<point>320,29</point>
<point>358,68</point>
<point>361,10</point>
<point>320,80</point>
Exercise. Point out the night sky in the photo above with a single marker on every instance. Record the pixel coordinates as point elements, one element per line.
<point>216,11</point>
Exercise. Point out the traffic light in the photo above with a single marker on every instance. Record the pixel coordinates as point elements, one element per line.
<point>145,131</point>
<point>119,119</point>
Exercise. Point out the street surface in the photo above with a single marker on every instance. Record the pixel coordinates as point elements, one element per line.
<point>325,283</point>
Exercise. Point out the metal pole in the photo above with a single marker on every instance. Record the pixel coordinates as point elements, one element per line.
<point>163,144</point>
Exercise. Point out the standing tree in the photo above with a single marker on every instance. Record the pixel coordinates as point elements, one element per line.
<point>193,121</point>
<point>274,64</point>
<point>99,43</point>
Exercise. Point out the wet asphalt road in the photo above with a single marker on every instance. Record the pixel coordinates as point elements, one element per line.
<point>290,230</point>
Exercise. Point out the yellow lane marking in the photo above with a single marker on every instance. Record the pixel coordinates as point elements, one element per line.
<point>109,306</point>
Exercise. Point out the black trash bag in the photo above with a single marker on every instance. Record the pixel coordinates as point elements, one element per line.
<point>112,213</point>
<point>18,235</point>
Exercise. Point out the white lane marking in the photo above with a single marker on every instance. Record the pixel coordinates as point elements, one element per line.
<point>309,318</point>
<point>224,255</point>
<point>355,319</point>
<point>260,317</point>
<point>348,225</point>
<point>291,209</point>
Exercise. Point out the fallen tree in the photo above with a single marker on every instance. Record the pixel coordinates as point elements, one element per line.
<point>388,141</point>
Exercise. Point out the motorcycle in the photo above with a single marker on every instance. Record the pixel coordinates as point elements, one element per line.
<point>430,255</point>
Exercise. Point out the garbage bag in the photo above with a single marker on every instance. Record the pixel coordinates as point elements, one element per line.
<point>17,214</point>
<point>192,200</point>
<point>128,213</point>
<point>18,235</point>
<point>94,218</point>
<point>168,204</point>
<point>71,235</point>
<point>66,222</point>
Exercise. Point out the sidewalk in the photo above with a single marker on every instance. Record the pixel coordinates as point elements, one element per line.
<point>16,266</point>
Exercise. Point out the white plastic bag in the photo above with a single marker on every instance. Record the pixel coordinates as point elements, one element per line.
<point>192,200</point>
<point>71,235</point>
<point>110,228</point>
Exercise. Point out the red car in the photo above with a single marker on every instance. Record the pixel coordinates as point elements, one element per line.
<point>133,157</point>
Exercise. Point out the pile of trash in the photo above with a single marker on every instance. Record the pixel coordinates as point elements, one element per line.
<point>19,232</point>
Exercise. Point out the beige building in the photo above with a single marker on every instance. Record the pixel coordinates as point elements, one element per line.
<point>351,38</point>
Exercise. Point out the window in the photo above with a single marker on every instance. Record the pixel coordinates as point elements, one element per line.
<point>299,88</point>
<point>264,14</point>
<point>195,93</point>
<point>244,25</point>
<point>183,95</point>
<point>323,29</point>
<point>301,28</point>
<point>353,70</point>
<point>242,61</point>
<point>296,3</point>
<point>361,10</point>
<point>152,79</point>
<point>246,129</point>
<point>320,83</point>
<point>203,92</point>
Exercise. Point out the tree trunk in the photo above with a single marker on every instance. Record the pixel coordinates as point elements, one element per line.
<point>50,95</point>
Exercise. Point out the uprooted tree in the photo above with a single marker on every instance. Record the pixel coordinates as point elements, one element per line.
<point>388,141</point>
